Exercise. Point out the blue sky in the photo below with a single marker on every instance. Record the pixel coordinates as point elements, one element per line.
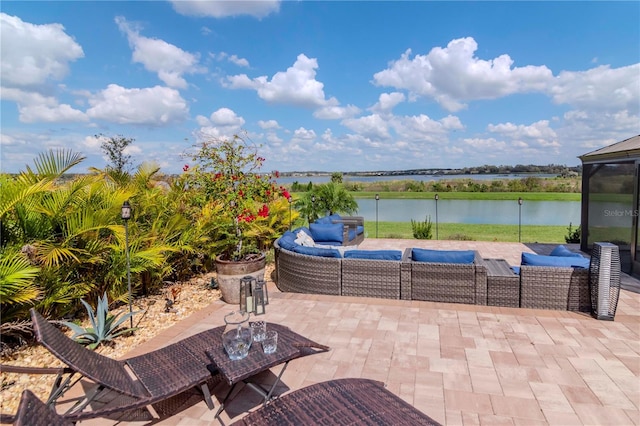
<point>334,86</point>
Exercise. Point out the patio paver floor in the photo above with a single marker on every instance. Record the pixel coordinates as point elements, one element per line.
<point>460,364</point>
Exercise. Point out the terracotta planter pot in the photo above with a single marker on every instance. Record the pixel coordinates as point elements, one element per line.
<point>230,272</point>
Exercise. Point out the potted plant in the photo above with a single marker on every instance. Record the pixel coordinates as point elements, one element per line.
<point>227,180</point>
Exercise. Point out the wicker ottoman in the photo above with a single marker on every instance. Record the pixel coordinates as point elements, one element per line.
<point>503,285</point>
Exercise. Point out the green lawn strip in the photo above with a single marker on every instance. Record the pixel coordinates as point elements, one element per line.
<point>526,196</point>
<point>474,232</point>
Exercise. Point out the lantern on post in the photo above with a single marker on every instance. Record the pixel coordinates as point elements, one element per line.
<point>519,219</point>
<point>437,197</point>
<point>125,215</point>
<point>377,199</point>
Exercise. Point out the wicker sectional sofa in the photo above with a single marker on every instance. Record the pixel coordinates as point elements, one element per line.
<point>390,279</point>
<point>537,287</point>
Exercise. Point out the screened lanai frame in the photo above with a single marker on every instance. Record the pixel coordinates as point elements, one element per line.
<point>610,200</point>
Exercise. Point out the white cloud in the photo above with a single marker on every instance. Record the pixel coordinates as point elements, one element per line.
<point>168,61</point>
<point>33,54</point>
<point>234,59</point>
<point>538,135</point>
<point>268,124</point>
<point>453,75</point>
<point>370,126</point>
<point>57,114</point>
<point>34,107</point>
<point>302,134</point>
<point>334,112</point>
<point>296,86</point>
<point>595,129</point>
<point>224,8</point>
<point>421,128</point>
<point>241,62</point>
<point>222,124</point>
<point>153,106</point>
<point>388,101</point>
<point>600,88</point>
<point>226,117</point>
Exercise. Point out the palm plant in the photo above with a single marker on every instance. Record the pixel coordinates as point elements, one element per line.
<point>330,197</point>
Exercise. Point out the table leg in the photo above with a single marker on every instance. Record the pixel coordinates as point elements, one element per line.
<point>267,393</point>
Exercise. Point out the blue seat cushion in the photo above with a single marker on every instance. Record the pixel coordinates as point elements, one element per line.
<point>359,229</point>
<point>563,251</point>
<point>373,254</point>
<point>317,251</point>
<point>531,259</point>
<point>516,269</point>
<point>325,233</point>
<point>287,241</point>
<point>443,256</point>
<point>352,234</point>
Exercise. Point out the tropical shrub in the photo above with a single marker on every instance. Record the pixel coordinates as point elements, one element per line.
<point>422,230</point>
<point>573,235</point>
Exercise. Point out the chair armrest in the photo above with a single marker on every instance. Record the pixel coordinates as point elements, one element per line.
<point>351,220</point>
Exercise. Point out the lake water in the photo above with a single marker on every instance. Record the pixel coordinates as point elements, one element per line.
<point>472,211</point>
<point>424,178</point>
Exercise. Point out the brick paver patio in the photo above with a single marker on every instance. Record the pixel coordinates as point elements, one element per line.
<point>460,364</point>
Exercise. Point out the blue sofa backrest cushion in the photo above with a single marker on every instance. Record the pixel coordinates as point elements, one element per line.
<point>327,232</point>
<point>531,259</point>
<point>317,251</point>
<point>373,254</point>
<point>563,251</point>
<point>443,256</point>
<point>287,241</point>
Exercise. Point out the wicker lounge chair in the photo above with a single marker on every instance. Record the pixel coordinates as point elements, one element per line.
<point>157,375</point>
<point>338,402</point>
<point>32,411</point>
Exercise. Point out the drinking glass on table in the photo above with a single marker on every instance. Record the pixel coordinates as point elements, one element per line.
<point>258,330</point>
<point>270,342</point>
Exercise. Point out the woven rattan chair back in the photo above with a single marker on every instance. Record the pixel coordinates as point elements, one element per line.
<point>106,371</point>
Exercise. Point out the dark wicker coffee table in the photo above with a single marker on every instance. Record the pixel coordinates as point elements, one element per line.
<point>503,285</point>
<point>291,345</point>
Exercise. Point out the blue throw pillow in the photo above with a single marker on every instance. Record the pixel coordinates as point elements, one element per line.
<point>373,254</point>
<point>563,251</point>
<point>333,217</point>
<point>324,220</point>
<point>359,229</point>
<point>302,228</point>
<point>316,251</point>
<point>531,259</point>
<point>287,241</point>
<point>327,232</point>
<point>443,256</point>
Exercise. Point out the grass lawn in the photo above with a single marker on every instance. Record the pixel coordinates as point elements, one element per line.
<point>476,232</point>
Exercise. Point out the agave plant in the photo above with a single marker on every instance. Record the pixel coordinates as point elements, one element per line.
<point>105,326</point>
